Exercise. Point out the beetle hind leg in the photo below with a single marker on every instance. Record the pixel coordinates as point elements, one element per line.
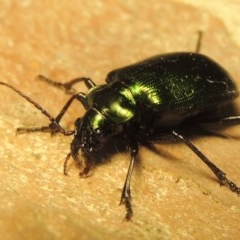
<point>199,41</point>
<point>223,180</point>
<point>226,182</point>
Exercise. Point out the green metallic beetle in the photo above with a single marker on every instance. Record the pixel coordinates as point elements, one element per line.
<point>159,95</point>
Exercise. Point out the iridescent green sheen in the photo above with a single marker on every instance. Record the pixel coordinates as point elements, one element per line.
<point>177,82</point>
<point>115,101</point>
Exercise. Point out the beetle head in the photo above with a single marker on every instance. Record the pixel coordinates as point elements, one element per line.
<point>91,132</point>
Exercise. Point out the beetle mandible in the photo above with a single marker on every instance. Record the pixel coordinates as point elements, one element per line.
<point>159,95</point>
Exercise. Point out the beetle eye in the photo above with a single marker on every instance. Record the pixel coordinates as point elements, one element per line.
<point>98,131</point>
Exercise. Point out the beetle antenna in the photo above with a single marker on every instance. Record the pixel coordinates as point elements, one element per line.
<point>36,105</point>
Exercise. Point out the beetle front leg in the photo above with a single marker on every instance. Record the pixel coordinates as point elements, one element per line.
<point>68,86</point>
<point>53,127</point>
<point>126,191</point>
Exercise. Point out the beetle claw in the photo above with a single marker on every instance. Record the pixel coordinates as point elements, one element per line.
<point>126,200</point>
<point>85,171</point>
<point>229,184</point>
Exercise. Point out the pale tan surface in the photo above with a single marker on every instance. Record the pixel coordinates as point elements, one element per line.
<point>174,195</point>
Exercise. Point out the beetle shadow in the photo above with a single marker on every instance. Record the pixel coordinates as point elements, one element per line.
<point>109,149</point>
<point>210,123</point>
<point>192,129</point>
<point>121,145</point>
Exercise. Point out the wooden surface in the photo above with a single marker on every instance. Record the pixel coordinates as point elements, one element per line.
<point>174,195</point>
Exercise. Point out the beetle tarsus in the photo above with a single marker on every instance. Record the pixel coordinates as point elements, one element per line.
<point>126,191</point>
<point>22,130</point>
<point>65,171</point>
<point>218,172</point>
<point>126,200</point>
<point>68,86</point>
<point>64,86</point>
<point>231,185</point>
<point>85,171</point>
<point>52,128</point>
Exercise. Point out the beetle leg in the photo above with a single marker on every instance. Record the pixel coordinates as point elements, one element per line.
<point>231,119</point>
<point>81,97</point>
<point>199,41</point>
<point>68,85</point>
<point>53,127</point>
<point>36,105</point>
<point>65,171</point>
<point>86,169</point>
<point>126,191</point>
<point>218,172</point>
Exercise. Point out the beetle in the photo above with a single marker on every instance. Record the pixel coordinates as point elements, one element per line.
<point>142,102</point>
